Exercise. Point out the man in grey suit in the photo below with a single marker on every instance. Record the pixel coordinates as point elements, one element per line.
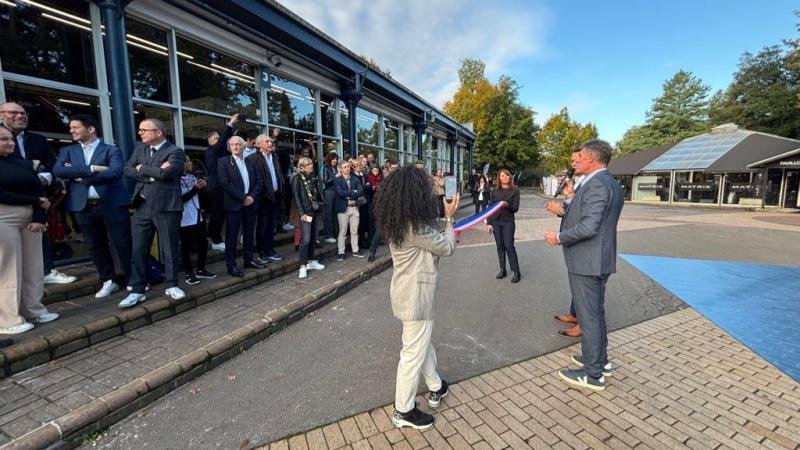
<point>588,236</point>
<point>157,166</point>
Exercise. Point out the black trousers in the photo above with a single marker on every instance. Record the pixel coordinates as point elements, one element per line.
<point>144,225</point>
<point>331,222</point>
<point>504,239</point>
<point>266,216</point>
<point>217,215</point>
<point>47,255</point>
<point>193,239</point>
<point>96,228</point>
<point>244,218</point>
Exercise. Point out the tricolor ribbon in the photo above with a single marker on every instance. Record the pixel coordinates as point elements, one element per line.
<point>471,221</point>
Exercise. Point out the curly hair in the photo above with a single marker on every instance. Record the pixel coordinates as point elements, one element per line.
<point>404,201</point>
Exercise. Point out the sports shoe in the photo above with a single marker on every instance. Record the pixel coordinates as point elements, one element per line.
<point>109,287</point>
<point>330,240</point>
<point>131,300</point>
<point>358,254</point>
<point>303,272</point>
<point>273,258</point>
<point>340,257</point>
<point>581,379</point>
<point>436,397</point>
<point>314,265</point>
<point>219,246</point>
<point>204,274</point>
<point>17,329</point>
<point>608,369</point>
<point>175,293</point>
<point>287,227</point>
<point>414,419</point>
<point>191,278</point>
<point>46,317</point>
<point>56,277</point>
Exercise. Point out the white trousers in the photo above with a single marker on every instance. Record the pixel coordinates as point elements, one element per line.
<point>417,357</point>
<point>349,217</point>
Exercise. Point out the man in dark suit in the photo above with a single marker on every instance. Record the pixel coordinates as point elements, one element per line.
<point>241,186</point>
<point>217,148</point>
<point>157,165</point>
<point>269,205</point>
<point>97,195</point>
<point>34,147</point>
<point>588,236</point>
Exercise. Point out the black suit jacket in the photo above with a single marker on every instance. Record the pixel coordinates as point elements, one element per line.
<point>214,153</point>
<point>267,193</point>
<point>36,148</point>
<point>161,187</point>
<point>232,184</point>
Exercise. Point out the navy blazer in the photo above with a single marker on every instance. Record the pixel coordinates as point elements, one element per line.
<point>109,184</point>
<point>233,186</point>
<point>160,187</point>
<point>36,148</point>
<point>343,194</point>
<point>589,227</point>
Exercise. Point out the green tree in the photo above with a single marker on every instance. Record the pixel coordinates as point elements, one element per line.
<point>471,100</point>
<point>638,138</point>
<point>559,136</point>
<point>763,95</point>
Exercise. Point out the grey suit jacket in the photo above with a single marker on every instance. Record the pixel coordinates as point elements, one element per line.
<point>161,187</point>
<point>416,272</point>
<point>589,227</point>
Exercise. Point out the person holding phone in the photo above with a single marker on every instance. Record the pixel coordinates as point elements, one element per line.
<point>309,204</point>
<point>502,224</point>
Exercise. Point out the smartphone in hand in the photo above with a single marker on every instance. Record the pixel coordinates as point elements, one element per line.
<point>450,187</point>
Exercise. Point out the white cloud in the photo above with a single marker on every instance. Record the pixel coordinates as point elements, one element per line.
<point>422,42</point>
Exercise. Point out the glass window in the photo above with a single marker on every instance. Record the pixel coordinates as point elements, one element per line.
<point>197,127</point>
<point>165,115</point>
<point>290,104</point>
<point>149,61</point>
<point>390,130</point>
<point>389,155</point>
<point>49,110</point>
<point>48,39</point>
<point>737,186</point>
<point>291,145</point>
<point>328,110</point>
<point>367,149</point>
<point>367,126</point>
<point>215,82</point>
<point>343,116</point>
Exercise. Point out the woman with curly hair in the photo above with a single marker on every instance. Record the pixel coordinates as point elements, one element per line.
<point>406,212</point>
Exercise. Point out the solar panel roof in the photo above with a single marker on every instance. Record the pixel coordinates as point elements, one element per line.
<point>697,152</point>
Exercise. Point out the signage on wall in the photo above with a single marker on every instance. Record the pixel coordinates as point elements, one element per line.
<point>702,187</point>
<point>790,163</point>
<point>740,187</point>
<point>649,186</point>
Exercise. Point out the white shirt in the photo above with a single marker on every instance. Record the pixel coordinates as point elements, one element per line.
<point>191,208</point>
<point>272,175</point>
<point>248,151</point>
<point>243,171</point>
<point>88,151</point>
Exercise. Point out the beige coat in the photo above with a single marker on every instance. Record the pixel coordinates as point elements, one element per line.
<point>416,272</point>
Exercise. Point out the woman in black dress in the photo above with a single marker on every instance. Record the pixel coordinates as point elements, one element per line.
<point>502,224</point>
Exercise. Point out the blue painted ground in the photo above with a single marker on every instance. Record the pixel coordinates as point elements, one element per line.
<point>758,304</point>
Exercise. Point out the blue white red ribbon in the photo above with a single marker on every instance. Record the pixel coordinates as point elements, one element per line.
<point>471,221</point>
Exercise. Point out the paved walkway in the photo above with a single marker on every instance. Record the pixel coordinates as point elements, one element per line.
<point>679,382</point>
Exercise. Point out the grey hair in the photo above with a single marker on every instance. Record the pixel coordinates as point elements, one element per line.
<point>600,149</point>
<point>157,124</point>
<point>234,138</point>
<point>261,138</point>
<point>304,161</point>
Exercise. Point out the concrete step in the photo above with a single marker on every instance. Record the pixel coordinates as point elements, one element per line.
<point>92,388</point>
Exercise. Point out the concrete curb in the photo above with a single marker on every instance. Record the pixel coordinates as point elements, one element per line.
<point>103,412</point>
<point>41,350</point>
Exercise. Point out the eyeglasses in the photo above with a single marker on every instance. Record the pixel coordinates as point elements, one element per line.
<point>145,130</point>
<point>15,113</point>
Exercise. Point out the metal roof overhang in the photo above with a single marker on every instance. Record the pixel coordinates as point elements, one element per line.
<point>774,158</point>
<point>267,21</point>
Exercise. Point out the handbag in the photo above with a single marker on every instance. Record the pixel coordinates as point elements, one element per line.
<point>361,200</point>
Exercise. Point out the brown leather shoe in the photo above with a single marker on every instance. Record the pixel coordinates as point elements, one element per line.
<point>572,332</point>
<point>567,318</point>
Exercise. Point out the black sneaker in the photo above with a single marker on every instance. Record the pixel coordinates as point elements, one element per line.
<point>203,273</point>
<point>608,369</point>
<point>582,379</point>
<point>191,278</point>
<point>358,254</point>
<point>414,419</point>
<point>436,397</point>
<point>340,257</point>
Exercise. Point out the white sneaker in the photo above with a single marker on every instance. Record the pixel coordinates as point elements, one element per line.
<point>175,293</point>
<point>56,277</point>
<point>303,272</point>
<point>330,240</point>
<point>288,227</point>
<point>17,329</point>
<point>129,288</point>
<point>131,300</point>
<point>109,287</point>
<point>46,317</point>
<point>220,246</point>
<point>315,265</point>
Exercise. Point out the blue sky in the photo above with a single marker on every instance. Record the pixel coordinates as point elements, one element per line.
<point>605,61</point>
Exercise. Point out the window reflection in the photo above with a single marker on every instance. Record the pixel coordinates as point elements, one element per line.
<point>343,117</point>
<point>367,126</point>
<point>328,110</point>
<point>49,110</point>
<point>390,134</point>
<point>291,104</point>
<point>215,82</point>
<point>149,61</point>
<point>48,39</point>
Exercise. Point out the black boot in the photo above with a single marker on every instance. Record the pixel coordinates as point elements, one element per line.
<point>501,274</point>
<point>516,277</point>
